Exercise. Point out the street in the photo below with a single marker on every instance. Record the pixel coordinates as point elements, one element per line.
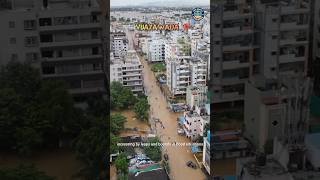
<point>178,155</point>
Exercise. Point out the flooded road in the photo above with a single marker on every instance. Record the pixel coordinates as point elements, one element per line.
<point>178,155</point>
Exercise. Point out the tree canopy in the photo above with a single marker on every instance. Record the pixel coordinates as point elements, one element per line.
<point>121,97</point>
<point>153,152</point>
<point>141,109</point>
<point>23,172</point>
<point>34,113</point>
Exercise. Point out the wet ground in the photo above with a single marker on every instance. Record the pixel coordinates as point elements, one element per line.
<point>132,122</point>
<point>178,155</point>
<point>224,167</point>
<point>60,163</point>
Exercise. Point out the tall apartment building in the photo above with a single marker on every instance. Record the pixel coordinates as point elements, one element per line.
<point>156,51</point>
<point>128,71</point>
<point>277,109</point>
<point>184,71</point>
<point>119,44</point>
<point>265,37</point>
<point>63,38</point>
<point>234,49</point>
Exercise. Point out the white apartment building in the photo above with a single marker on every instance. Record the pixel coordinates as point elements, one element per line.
<point>194,124</point>
<point>184,71</point>
<point>196,96</point>
<point>119,44</point>
<point>63,39</point>
<point>206,152</point>
<point>156,51</point>
<point>128,71</point>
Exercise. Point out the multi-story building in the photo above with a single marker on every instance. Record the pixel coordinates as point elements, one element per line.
<point>229,144</point>
<point>278,109</point>
<point>64,39</point>
<point>184,71</point>
<point>119,44</point>
<point>156,51</point>
<point>193,125</point>
<point>196,96</point>
<point>206,152</point>
<point>128,71</point>
<point>234,49</point>
<point>264,37</point>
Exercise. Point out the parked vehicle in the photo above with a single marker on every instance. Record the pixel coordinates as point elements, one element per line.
<point>166,157</point>
<point>191,165</point>
<point>180,131</point>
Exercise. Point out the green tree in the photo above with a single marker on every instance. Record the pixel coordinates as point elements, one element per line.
<point>24,79</point>
<point>122,165</point>
<point>121,97</point>
<point>27,139</point>
<point>153,152</point>
<point>141,109</point>
<point>33,113</point>
<point>113,143</point>
<point>23,172</point>
<point>91,146</point>
<point>117,123</point>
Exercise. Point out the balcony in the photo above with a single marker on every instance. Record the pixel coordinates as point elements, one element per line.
<point>66,74</point>
<point>234,64</point>
<point>303,8</point>
<point>232,96</point>
<point>131,74</point>
<point>235,31</point>
<point>236,14</point>
<point>291,58</point>
<point>70,43</point>
<point>293,25</point>
<point>294,40</point>
<point>86,90</point>
<point>72,58</point>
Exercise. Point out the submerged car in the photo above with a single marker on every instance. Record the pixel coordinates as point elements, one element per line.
<point>166,157</point>
<point>191,165</point>
<point>180,131</point>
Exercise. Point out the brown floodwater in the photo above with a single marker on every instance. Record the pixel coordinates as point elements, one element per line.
<point>61,164</point>
<point>132,122</point>
<point>178,155</point>
<point>224,167</point>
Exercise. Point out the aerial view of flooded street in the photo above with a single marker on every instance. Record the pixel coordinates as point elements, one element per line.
<point>166,70</point>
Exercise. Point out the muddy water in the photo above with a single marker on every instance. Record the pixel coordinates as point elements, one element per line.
<point>60,163</point>
<point>224,167</point>
<point>178,156</point>
<point>132,122</point>
<point>113,172</point>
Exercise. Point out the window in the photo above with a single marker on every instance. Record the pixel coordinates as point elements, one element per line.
<point>274,53</point>
<point>274,37</point>
<point>217,25</point>
<point>12,24</point>
<point>31,57</point>
<point>47,54</point>
<point>274,19</point>
<point>48,70</point>
<point>14,57</point>
<point>45,22</point>
<point>30,41</point>
<point>13,40</point>
<point>29,25</point>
